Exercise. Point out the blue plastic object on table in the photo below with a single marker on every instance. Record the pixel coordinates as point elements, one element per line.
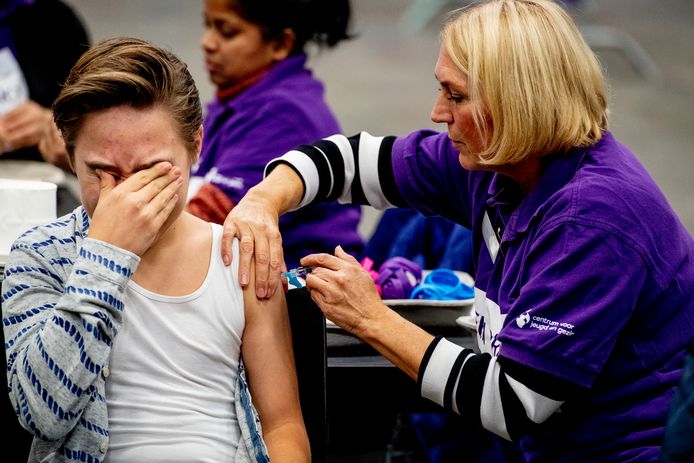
<point>443,285</point>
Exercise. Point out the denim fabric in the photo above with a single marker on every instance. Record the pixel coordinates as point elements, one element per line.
<point>254,449</point>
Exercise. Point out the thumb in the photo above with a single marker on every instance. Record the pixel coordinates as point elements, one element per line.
<point>339,252</point>
<point>106,181</point>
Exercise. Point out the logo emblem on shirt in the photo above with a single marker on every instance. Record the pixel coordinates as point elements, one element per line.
<point>544,324</point>
<point>523,319</point>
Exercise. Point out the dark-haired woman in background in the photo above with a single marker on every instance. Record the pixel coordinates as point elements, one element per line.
<point>267,103</point>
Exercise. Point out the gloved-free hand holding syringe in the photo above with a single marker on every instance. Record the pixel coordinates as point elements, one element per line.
<point>294,274</point>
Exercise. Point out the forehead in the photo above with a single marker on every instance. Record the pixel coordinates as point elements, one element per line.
<point>447,73</point>
<point>127,137</point>
<point>222,9</point>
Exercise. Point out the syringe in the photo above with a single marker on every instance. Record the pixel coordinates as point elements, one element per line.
<point>294,274</point>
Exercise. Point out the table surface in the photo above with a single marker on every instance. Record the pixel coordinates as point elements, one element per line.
<point>365,356</point>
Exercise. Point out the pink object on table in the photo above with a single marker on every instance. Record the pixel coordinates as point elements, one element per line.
<point>368,264</point>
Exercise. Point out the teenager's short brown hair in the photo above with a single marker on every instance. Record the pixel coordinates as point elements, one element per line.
<point>126,71</point>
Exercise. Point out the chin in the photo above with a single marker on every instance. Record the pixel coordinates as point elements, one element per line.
<point>468,163</point>
<point>216,79</point>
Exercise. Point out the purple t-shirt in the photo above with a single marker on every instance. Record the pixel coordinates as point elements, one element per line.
<point>589,278</point>
<point>284,109</point>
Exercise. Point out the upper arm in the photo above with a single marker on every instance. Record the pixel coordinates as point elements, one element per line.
<point>267,352</point>
<point>428,173</point>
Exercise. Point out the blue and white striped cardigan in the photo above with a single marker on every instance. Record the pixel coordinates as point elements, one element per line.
<point>62,305</point>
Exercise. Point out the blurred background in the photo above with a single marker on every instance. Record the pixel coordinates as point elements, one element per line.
<point>382,81</point>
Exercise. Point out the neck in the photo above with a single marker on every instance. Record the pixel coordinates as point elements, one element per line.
<point>177,263</point>
<point>525,173</point>
<point>228,93</point>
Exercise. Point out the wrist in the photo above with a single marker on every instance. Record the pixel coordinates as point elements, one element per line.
<point>284,187</point>
<point>103,233</point>
<point>401,342</point>
<point>371,328</point>
<point>264,199</point>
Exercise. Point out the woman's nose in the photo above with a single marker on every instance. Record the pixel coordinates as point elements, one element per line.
<point>440,112</point>
<point>207,40</point>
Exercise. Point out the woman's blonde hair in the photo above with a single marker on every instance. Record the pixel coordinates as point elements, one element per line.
<point>539,86</point>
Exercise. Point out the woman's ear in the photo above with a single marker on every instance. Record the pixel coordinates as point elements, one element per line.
<point>284,45</point>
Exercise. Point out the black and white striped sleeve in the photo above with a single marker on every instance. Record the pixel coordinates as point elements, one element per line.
<point>355,170</point>
<point>503,396</point>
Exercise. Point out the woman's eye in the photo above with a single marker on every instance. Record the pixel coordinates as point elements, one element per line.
<point>228,32</point>
<point>452,97</point>
<point>221,28</point>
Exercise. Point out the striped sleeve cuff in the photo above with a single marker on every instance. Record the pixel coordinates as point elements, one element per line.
<point>436,370</point>
<point>106,261</point>
<point>305,168</point>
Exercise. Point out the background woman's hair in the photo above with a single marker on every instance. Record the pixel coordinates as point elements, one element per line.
<point>126,71</point>
<point>538,87</point>
<point>324,22</point>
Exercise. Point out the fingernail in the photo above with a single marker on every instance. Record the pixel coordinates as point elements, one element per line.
<point>225,259</point>
<point>244,279</point>
<point>261,292</point>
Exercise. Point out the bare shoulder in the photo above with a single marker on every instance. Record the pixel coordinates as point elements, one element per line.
<point>198,237</point>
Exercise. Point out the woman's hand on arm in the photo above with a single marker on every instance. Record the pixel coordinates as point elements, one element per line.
<point>346,294</point>
<point>269,359</point>
<point>255,222</point>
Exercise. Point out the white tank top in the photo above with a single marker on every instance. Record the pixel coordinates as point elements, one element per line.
<point>173,370</point>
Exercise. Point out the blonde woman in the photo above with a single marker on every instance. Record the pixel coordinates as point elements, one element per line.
<point>584,275</point>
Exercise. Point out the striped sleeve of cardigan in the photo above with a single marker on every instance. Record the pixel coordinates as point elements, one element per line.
<point>59,325</point>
